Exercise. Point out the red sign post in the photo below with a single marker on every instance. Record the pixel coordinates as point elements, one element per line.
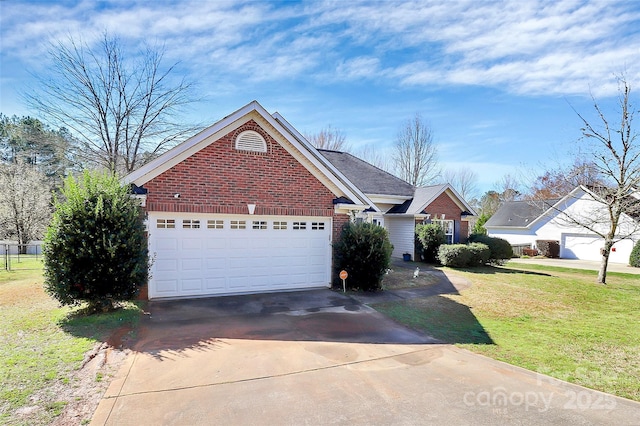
<point>343,277</point>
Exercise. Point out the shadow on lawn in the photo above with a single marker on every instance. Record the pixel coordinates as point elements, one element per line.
<point>114,327</point>
<point>501,270</point>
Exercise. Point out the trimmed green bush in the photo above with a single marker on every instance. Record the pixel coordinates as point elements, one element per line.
<point>480,254</point>
<point>634,258</point>
<point>430,237</point>
<point>364,251</point>
<point>454,255</point>
<point>501,250</point>
<point>463,255</point>
<point>95,248</point>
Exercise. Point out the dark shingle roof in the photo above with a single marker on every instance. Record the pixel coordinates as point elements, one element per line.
<point>519,213</point>
<point>368,178</point>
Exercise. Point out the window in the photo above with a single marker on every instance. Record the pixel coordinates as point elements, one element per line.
<point>259,224</point>
<point>280,225</point>
<point>238,224</point>
<point>251,141</point>
<point>190,224</point>
<point>299,225</point>
<point>447,227</point>
<point>166,223</point>
<point>317,226</point>
<point>215,224</point>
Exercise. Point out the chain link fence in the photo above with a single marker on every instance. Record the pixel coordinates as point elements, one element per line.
<point>14,256</point>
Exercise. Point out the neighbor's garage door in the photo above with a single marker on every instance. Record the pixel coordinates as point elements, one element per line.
<point>587,247</point>
<point>204,255</point>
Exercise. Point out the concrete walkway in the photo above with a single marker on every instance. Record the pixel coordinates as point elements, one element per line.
<point>579,264</point>
<point>321,357</point>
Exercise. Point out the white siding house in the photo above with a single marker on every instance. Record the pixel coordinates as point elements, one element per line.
<point>524,222</point>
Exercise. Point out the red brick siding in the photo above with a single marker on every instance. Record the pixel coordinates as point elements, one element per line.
<point>220,179</point>
<point>444,205</point>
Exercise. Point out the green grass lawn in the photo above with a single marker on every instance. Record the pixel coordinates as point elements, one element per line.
<point>41,344</point>
<point>552,320</point>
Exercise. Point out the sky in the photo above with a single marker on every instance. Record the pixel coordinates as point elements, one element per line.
<point>498,82</point>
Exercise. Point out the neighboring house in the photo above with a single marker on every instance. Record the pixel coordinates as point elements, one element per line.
<point>398,206</point>
<point>524,222</point>
<point>248,205</point>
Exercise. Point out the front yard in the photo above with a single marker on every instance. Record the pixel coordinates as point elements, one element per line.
<point>551,320</point>
<point>42,350</point>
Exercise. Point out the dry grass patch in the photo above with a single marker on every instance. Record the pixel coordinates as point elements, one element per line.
<point>402,277</point>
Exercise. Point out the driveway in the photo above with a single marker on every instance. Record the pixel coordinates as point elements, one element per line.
<point>320,357</point>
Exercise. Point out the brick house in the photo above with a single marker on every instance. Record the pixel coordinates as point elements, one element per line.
<point>248,205</point>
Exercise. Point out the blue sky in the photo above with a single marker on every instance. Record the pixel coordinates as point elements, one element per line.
<point>495,80</point>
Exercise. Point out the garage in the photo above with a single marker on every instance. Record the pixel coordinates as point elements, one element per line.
<point>199,255</point>
<point>587,247</point>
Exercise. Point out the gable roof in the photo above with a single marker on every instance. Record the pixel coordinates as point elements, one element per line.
<point>425,195</point>
<point>367,177</point>
<point>519,214</point>
<point>273,124</point>
<point>524,213</point>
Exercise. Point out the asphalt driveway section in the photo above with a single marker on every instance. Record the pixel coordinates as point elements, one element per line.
<point>320,357</point>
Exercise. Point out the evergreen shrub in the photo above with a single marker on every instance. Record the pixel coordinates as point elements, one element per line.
<point>430,237</point>
<point>95,249</point>
<point>500,249</point>
<point>364,251</point>
<point>634,258</point>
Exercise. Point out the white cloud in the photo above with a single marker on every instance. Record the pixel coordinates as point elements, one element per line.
<point>531,48</point>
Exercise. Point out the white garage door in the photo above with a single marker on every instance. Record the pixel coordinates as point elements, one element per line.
<point>205,255</point>
<point>587,247</point>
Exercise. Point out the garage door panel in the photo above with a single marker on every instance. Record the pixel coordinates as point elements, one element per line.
<point>166,286</point>
<point>191,285</point>
<point>215,259</point>
<point>167,265</point>
<point>167,244</point>
<point>191,243</point>
<point>215,284</point>
<point>216,242</point>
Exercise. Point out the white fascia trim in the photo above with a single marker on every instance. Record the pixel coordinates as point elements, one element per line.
<point>388,199</point>
<point>187,148</point>
<point>322,163</point>
<point>346,208</point>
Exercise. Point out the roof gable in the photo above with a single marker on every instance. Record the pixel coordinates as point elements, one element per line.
<point>425,195</point>
<point>519,214</point>
<point>298,147</point>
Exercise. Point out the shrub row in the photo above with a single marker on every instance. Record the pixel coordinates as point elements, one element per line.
<point>501,250</point>
<point>463,255</point>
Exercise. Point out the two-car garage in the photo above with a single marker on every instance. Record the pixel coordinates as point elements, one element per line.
<point>199,255</point>
<point>587,247</point>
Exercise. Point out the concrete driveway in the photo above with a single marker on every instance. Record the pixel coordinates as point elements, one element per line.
<point>319,357</point>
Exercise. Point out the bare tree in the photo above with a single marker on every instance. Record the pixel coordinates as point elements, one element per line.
<point>464,180</point>
<point>557,183</point>
<point>329,139</point>
<point>124,111</point>
<point>375,157</point>
<point>25,202</point>
<point>614,149</point>
<point>415,154</point>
